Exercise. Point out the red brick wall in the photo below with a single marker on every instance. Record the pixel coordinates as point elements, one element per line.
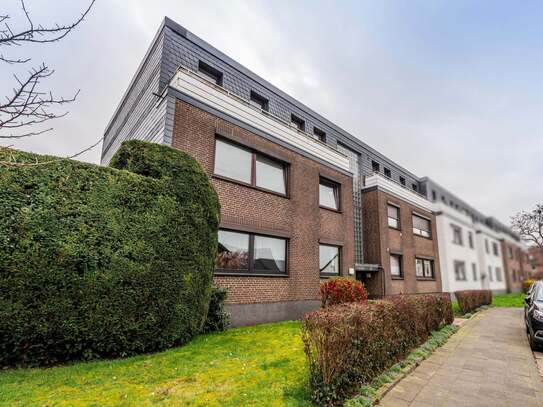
<point>379,241</point>
<point>515,269</point>
<point>299,216</point>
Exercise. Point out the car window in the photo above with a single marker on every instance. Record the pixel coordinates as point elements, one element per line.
<point>538,293</point>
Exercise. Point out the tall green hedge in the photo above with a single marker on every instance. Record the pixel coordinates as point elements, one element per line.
<point>103,262</point>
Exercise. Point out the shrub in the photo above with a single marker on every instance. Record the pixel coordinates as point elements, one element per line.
<point>526,284</point>
<point>469,300</point>
<point>349,345</point>
<point>104,262</point>
<point>218,319</point>
<point>342,290</point>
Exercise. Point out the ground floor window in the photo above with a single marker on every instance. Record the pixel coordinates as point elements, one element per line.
<point>396,266</point>
<point>329,257</point>
<point>460,270</point>
<point>248,253</point>
<point>498,274</point>
<point>424,268</point>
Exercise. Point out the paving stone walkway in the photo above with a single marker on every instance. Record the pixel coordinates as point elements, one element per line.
<point>488,362</point>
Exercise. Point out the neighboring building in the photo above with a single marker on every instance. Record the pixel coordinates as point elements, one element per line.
<point>476,251</point>
<point>536,262</point>
<point>296,191</point>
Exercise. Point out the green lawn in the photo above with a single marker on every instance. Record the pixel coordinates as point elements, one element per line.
<point>261,365</point>
<point>509,300</point>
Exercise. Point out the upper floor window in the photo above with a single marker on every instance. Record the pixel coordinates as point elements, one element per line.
<point>241,164</point>
<point>510,251</point>
<point>247,253</point>
<point>490,276</point>
<point>329,194</point>
<point>470,240</point>
<point>396,266</point>
<point>402,181</point>
<point>434,195</point>
<point>460,270</point>
<point>321,135</point>
<point>474,271</point>
<point>209,73</point>
<point>375,166</point>
<point>329,257</point>
<point>297,122</point>
<point>258,101</point>
<point>415,187</point>
<point>387,172</point>
<point>422,226</point>
<point>424,268</point>
<point>495,249</point>
<point>498,274</point>
<point>487,250</point>
<point>393,216</point>
<point>457,235</point>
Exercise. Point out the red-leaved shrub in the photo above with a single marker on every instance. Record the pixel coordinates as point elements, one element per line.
<point>342,290</point>
<point>348,345</point>
<point>469,300</point>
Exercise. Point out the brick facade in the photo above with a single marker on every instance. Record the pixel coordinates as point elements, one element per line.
<point>515,266</point>
<point>379,241</point>
<point>536,262</point>
<point>246,208</point>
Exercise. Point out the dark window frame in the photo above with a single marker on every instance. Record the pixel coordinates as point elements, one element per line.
<point>458,263</point>
<point>432,265</point>
<point>254,154</point>
<point>251,272</point>
<point>299,123</point>
<point>401,260</point>
<point>260,100</point>
<point>402,181</point>
<point>415,230</point>
<point>336,186</point>
<point>387,172</point>
<point>460,235</point>
<point>208,71</point>
<point>399,226</point>
<point>321,134</point>
<point>375,166</point>
<point>339,254</point>
<point>471,242</point>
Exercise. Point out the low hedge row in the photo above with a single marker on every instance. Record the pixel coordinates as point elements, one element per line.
<point>350,344</point>
<point>469,300</point>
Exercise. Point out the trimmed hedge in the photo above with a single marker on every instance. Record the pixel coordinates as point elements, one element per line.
<point>469,300</point>
<point>218,319</point>
<point>349,345</point>
<point>342,290</point>
<point>104,262</point>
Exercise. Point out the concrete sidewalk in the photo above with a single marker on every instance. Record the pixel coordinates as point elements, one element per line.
<point>488,362</point>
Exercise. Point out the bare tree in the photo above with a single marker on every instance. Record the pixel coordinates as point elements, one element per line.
<point>529,225</point>
<point>29,106</point>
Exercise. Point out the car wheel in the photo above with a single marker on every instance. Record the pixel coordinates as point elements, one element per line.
<point>533,343</point>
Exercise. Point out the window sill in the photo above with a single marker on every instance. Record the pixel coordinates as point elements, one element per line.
<point>330,209</point>
<point>397,278</point>
<point>393,228</point>
<point>244,184</point>
<point>234,274</point>
<point>327,276</point>
<point>426,279</point>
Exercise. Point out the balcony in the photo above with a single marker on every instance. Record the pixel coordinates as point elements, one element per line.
<point>220,99</point>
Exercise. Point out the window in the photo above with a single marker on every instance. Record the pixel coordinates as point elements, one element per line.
<point>514,275</point>
<point>297,122</point>
<point>490,276</point>
<point>474,271</point>
<point>402,181</point>
<point>329,194</point>
<point>421,226</point>
<point>258,101</point>
<point>498,274</point>
<point>495,249</point>
<point>414,187</point>
<point>470,240</point>
<point>457,235</point>
<point>375,166</point>
<point>434,196</point>
<point>387,172</point>
<point>393,216</point>
<point>209,73</point>
<point>321,135</point>
<point>247,253</point>
<point>241,164</point>
<point>329,260</point>
<point>424,268</point>
<point>486,246</point>
<point>460,270</point>
<point>396,266</point>
<point>510,251</point>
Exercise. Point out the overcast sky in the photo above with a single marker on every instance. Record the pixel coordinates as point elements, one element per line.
<point>451,90</point>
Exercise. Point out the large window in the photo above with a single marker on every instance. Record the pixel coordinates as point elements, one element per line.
<point>241,164</point>
<point>396,266</point>
<point>460,270</point>
<point>329,257</point>
<point>457,235</point>
<point>329,194</point>
<point>424,268</point>
<point>246,253</point>
<point>393,216</point>
<point>421,226</point>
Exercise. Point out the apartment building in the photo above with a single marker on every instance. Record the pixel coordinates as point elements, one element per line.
<point>476,251</point>
<point>301,199</point>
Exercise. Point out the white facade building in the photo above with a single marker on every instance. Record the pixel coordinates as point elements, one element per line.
<point>490,259</point>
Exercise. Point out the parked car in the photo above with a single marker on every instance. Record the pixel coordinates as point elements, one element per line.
<point>533,315</point>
